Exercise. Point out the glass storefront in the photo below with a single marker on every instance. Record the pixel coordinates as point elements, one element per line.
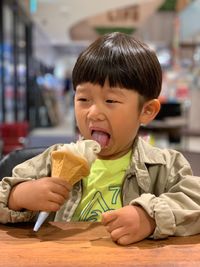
<point>21,70</point>
<point>14,54</point>
<point>8,64</point>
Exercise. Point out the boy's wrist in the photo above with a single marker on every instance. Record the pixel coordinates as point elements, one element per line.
<point>12,201</point>
<point>150,223</point>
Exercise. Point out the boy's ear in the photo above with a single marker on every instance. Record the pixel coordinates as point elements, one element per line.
<point>149,111</point>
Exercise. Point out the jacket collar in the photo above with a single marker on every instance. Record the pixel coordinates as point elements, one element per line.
<point>143,154</point>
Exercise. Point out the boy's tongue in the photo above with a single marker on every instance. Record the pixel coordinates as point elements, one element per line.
<point>101,137</point>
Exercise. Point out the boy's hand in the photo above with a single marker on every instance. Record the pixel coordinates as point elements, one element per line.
<point>47,194</point>
<point>128,224</point>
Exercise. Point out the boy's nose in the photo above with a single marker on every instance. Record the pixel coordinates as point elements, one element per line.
<point>96,113</point>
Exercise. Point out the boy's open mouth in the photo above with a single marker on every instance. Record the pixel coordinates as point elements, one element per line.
<point>101,137</point>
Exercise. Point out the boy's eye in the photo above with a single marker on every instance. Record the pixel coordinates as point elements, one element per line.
<point>82,99</point>
<point>111,101</point>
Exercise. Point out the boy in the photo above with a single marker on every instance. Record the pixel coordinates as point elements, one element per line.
<point>136,190</point>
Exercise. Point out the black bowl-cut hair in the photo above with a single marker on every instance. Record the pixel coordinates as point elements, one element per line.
<point>121,60</point>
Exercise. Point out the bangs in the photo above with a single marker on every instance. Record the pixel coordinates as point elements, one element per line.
<point>98,69</point>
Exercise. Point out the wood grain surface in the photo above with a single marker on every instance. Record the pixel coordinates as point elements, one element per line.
<point>88,244</point>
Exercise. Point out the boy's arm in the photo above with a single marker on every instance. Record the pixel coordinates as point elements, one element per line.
<point>177,209</point>
<point>35,168</point>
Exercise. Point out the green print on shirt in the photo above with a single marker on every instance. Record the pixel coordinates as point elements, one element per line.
<point>116,190</point>
<point>90,214</point>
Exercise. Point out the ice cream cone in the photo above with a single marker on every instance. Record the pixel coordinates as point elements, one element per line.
<point>71,163</point>
<point>67,166</point>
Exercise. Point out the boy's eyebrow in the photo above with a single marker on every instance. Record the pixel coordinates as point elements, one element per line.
<point>81,88</point>
<point>112,90</point>
<point>118,91</point>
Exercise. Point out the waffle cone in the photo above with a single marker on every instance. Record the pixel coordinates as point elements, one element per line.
<point>68,166</point>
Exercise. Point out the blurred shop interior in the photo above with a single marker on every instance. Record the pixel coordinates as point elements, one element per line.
<point>41,39</point>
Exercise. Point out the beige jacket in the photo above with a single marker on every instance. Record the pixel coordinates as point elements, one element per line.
<point>159,180</point>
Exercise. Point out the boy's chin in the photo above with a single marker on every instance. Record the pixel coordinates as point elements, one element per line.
<point>106,154</point>
<point>104,151</point>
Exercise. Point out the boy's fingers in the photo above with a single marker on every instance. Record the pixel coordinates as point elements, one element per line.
<point>108,216</point>
<point>63,182</point>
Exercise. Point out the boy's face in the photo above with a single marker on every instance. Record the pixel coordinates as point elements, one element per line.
<point>108,115</point>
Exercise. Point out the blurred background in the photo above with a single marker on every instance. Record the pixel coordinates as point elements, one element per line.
<point>41,39</point>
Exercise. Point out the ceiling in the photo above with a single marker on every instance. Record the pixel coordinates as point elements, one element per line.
<point>57,18</point>
<point>189,20</point>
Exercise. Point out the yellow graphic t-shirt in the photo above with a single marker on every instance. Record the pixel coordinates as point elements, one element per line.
<point>102,189</point>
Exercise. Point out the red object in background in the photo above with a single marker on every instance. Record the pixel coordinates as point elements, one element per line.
<point>13,135</point>
<point>182,92</point>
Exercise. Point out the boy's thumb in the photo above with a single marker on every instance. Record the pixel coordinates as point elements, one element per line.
<point>108,216</point>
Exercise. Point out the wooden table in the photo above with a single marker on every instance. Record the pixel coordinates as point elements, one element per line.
<point>88,244</point>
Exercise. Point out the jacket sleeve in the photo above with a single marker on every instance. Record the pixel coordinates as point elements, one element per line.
<point>176,208</point>
<point>35,168</point>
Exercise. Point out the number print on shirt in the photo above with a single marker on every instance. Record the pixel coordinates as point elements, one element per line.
<point>98,205</point>
<point>116,193</point>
